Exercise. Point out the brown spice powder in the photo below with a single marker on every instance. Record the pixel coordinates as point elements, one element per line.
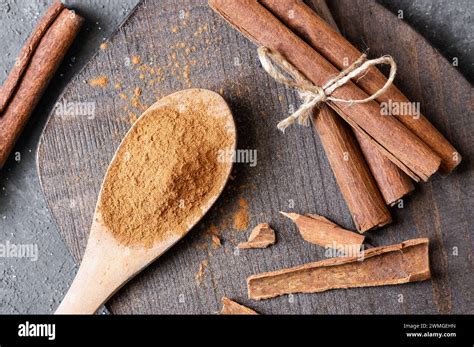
<point>201,271</point>
<point>166,169</point>
<point>136,59</point>
<point>241,217</point>
<point>100,81</point>
<point>216,241</point>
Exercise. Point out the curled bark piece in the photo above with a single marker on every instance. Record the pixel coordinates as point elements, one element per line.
<point>322,232</point>
<point>216,241</point>
<point>262,236</point>
<point>231,307</point>
<point>395,264</point>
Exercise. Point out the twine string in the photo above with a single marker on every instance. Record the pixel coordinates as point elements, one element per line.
<point>312,95</point>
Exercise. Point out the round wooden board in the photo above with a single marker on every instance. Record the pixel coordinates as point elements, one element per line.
<point>187,45</point>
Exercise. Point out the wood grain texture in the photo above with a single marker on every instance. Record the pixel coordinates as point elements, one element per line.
<point>75,150</point>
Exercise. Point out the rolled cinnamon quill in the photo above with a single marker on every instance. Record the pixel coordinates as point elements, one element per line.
<point>365,203</point>
<point>390,136</point>
<point>392,182</point>
<point>341,53</point>
<point>34,68</point>
<point>395,264</point>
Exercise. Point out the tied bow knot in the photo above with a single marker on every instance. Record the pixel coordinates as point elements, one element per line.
<point>312,95</point>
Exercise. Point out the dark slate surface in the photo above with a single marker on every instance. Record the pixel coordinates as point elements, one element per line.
<point>75,152</point>
<point>36,287</point>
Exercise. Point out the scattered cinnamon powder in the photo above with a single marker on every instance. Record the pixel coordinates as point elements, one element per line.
<point>136,60</point>
<point>200,30</point>
<point>186,74</point>
<point>135,99</point>
<point>213,230</point>
<point>216,241</point>
<point>100,81</point>
<point>132,117</point>
<point>202,269</point>
<point>241,217</point>
<point>165,171</point>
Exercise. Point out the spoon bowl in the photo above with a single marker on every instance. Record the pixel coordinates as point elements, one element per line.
<point>108,263</point>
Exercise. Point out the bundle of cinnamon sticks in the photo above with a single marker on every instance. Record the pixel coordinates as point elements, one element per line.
<point>373,156</point>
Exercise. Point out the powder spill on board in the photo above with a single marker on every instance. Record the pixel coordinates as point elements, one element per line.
<point>241,217</point>
<point>178,66</point>
<point>201,271</point>
<point>100,81</point>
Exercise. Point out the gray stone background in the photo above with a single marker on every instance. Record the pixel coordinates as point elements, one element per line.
<point>37,286</point>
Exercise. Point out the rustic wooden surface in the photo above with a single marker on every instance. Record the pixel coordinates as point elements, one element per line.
<point>292,169</point>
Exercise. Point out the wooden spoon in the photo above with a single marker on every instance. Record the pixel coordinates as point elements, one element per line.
<point>107,264</point>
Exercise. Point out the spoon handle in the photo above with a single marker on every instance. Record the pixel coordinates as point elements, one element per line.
<point>105,268</point>
<point>97,278</point>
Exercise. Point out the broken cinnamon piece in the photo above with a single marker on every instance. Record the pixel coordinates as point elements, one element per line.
<point>262,236</point>
<point>322,232</point>
<point>216,241</point>
<point>395,264</point>
<point>231,307</point>
<point>202,269</point>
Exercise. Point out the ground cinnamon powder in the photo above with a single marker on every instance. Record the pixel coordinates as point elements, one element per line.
<point>100,81</point>
<point>241,216</point>
<point>165,169</point>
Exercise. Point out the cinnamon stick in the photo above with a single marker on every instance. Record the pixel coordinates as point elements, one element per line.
<point>396,142</point>
<point>388,265</point>
<point>262,236</point>
<point>392,182</point>
<point>341,53</point>
<point>367,207</point>
<point>322,232</point>
<point>36,65</point>
<point>230,307</point>
<point>14,77</point>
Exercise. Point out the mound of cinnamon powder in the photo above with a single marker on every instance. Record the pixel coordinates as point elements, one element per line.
<point>164,173</point>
